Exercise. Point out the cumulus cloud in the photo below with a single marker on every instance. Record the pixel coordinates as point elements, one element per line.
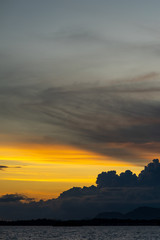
<point>111,179</point>
<point>150,176</point>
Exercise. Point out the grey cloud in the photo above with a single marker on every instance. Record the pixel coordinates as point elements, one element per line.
<point>84,206</point>
<point>149,76</point>
<point>78,192</point>
<point>14,198</point>
<point>114,192</point>
<point>89,116</point>
<point>111,179</point>
<point>149,177</point>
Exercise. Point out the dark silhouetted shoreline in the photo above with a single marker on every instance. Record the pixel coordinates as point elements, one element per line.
<point>76,223</point>
<point>142,216</point>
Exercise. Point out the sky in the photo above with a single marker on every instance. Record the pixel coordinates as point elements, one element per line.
<point>79,92</point>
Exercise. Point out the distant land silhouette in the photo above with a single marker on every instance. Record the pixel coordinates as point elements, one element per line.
<point>147,213</point>
<point>138,217</point>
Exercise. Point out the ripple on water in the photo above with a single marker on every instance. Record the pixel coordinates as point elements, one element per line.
<point>80,233</point>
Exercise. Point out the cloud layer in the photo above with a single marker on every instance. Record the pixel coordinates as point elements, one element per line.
<point>14,198</point>
<point>118,119</point>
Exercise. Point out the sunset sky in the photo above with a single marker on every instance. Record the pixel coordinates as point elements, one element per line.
<point>79,92</point>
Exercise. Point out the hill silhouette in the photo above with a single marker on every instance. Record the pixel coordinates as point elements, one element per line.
<point>145,213</point>
<point>142,216</point>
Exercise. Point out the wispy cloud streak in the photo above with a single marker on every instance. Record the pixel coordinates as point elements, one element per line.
<point>89,116</point>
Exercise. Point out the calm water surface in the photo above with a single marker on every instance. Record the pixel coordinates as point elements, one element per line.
<point>79,233</point>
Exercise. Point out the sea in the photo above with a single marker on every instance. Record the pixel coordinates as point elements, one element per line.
<point>80,233</point>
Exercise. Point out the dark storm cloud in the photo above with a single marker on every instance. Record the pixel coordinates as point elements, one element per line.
<point>111,179</point>
<point>112,119</point>
<point>113,192</point>
<point>148,177</point>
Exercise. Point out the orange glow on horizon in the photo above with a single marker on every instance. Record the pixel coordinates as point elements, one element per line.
<point>45,171</point>
<point>58,154</point>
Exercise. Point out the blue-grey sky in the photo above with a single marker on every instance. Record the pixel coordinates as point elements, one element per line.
<point>61,42</point>
<point>82,72</point>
